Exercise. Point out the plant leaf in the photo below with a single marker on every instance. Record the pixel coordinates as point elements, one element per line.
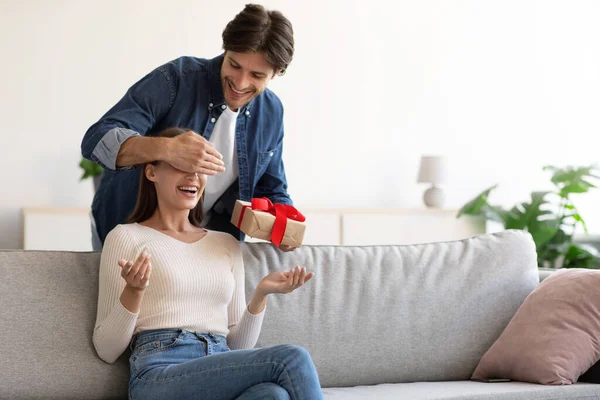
<point>89,168</point>
<point>526,215</point>
<point>581,256</point>
<point>543,231</point>
<point>476,207</point>
<point>575,187</point>
<point>573,179</point>
<point>577,217</point>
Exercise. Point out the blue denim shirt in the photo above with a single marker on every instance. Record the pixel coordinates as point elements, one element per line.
<point>186,93</point>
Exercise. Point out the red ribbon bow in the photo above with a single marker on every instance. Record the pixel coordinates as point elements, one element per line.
<point>281,212</point>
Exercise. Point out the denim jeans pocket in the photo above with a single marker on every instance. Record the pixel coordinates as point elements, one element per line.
<point>220,345</point>
<point>153,350</point>
<point>155,343</point>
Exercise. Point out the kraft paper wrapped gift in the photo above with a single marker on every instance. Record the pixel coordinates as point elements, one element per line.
<point>257,219</point>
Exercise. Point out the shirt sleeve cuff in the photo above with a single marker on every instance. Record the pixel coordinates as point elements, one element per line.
<point>122,317</point>
<point>106,151</point>
<point>260,316</point>
<point>247,330</point>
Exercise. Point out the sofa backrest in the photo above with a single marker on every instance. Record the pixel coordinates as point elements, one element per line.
<point>371,314</point>
<point>376,314</point>
<point>46,319</point>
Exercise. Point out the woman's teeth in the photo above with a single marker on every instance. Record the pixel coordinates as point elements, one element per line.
<point>188,189</point>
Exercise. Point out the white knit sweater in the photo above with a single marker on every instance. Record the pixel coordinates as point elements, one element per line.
<point>198,287</point>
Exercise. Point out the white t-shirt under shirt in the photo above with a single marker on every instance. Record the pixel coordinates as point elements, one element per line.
<point>199,287</point>
<point>223,137</point>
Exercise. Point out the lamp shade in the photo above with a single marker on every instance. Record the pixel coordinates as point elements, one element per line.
<point>432,170</point>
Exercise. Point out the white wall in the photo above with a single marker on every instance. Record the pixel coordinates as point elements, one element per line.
<point>501,87</point>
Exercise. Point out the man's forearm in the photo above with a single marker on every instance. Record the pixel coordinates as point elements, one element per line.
<point>141,149</point>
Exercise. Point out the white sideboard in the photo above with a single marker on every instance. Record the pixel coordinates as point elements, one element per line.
<point>56,229</point>
<point>366,227</point>
<point>69,228</point>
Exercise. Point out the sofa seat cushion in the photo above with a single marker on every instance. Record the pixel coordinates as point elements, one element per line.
<point>465,390</point>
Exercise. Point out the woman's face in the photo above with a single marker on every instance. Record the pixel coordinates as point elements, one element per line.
<point>176,189</point>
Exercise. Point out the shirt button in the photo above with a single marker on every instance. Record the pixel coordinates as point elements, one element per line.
<point>213,120</point>
<point>247,113</point>
<point>223,106</point>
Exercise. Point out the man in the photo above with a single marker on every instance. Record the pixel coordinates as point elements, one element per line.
<point>235,125</point>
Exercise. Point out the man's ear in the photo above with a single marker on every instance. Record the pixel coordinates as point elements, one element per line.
<point>150,173</point>
<point>276,73</point>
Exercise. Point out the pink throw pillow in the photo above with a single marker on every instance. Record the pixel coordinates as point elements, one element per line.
<point>555,335</point>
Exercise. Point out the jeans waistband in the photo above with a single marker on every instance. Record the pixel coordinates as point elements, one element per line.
<point>158,334</point>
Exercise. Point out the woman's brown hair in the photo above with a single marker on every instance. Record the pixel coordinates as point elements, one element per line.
<point>147,200</point>
<point>260,30</point>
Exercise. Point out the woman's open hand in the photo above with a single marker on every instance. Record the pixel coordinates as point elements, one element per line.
<point>284,281</point>
<point>137,275</point>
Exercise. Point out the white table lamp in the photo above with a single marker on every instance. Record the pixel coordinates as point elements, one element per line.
<point>433,170</point>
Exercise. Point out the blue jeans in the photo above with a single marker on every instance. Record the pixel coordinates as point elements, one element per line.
<point>178,364</point>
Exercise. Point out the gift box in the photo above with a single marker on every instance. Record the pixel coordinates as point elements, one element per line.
<point>277,223</point>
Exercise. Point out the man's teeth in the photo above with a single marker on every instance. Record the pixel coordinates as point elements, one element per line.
<point>237,91</point>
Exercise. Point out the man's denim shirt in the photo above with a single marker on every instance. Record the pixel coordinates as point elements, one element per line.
<point>186,93</point>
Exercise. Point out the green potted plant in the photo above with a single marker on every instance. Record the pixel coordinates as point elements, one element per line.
<point>550,217</point>
<point>91,169</point>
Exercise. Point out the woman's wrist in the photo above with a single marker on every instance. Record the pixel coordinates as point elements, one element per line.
<point>258,302</point>
<point>131,298</point>
<point>135,290</point>
<point>259,293</point>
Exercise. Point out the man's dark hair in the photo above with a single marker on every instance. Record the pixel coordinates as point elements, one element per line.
<point>260,30</point>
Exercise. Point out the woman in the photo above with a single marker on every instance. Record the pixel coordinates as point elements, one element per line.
<point>178,290</point>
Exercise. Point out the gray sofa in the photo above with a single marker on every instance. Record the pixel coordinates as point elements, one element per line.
<point>381,322</point>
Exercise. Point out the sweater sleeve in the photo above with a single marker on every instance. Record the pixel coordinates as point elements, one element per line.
<point>244,328</point>
<point>114,323</point>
